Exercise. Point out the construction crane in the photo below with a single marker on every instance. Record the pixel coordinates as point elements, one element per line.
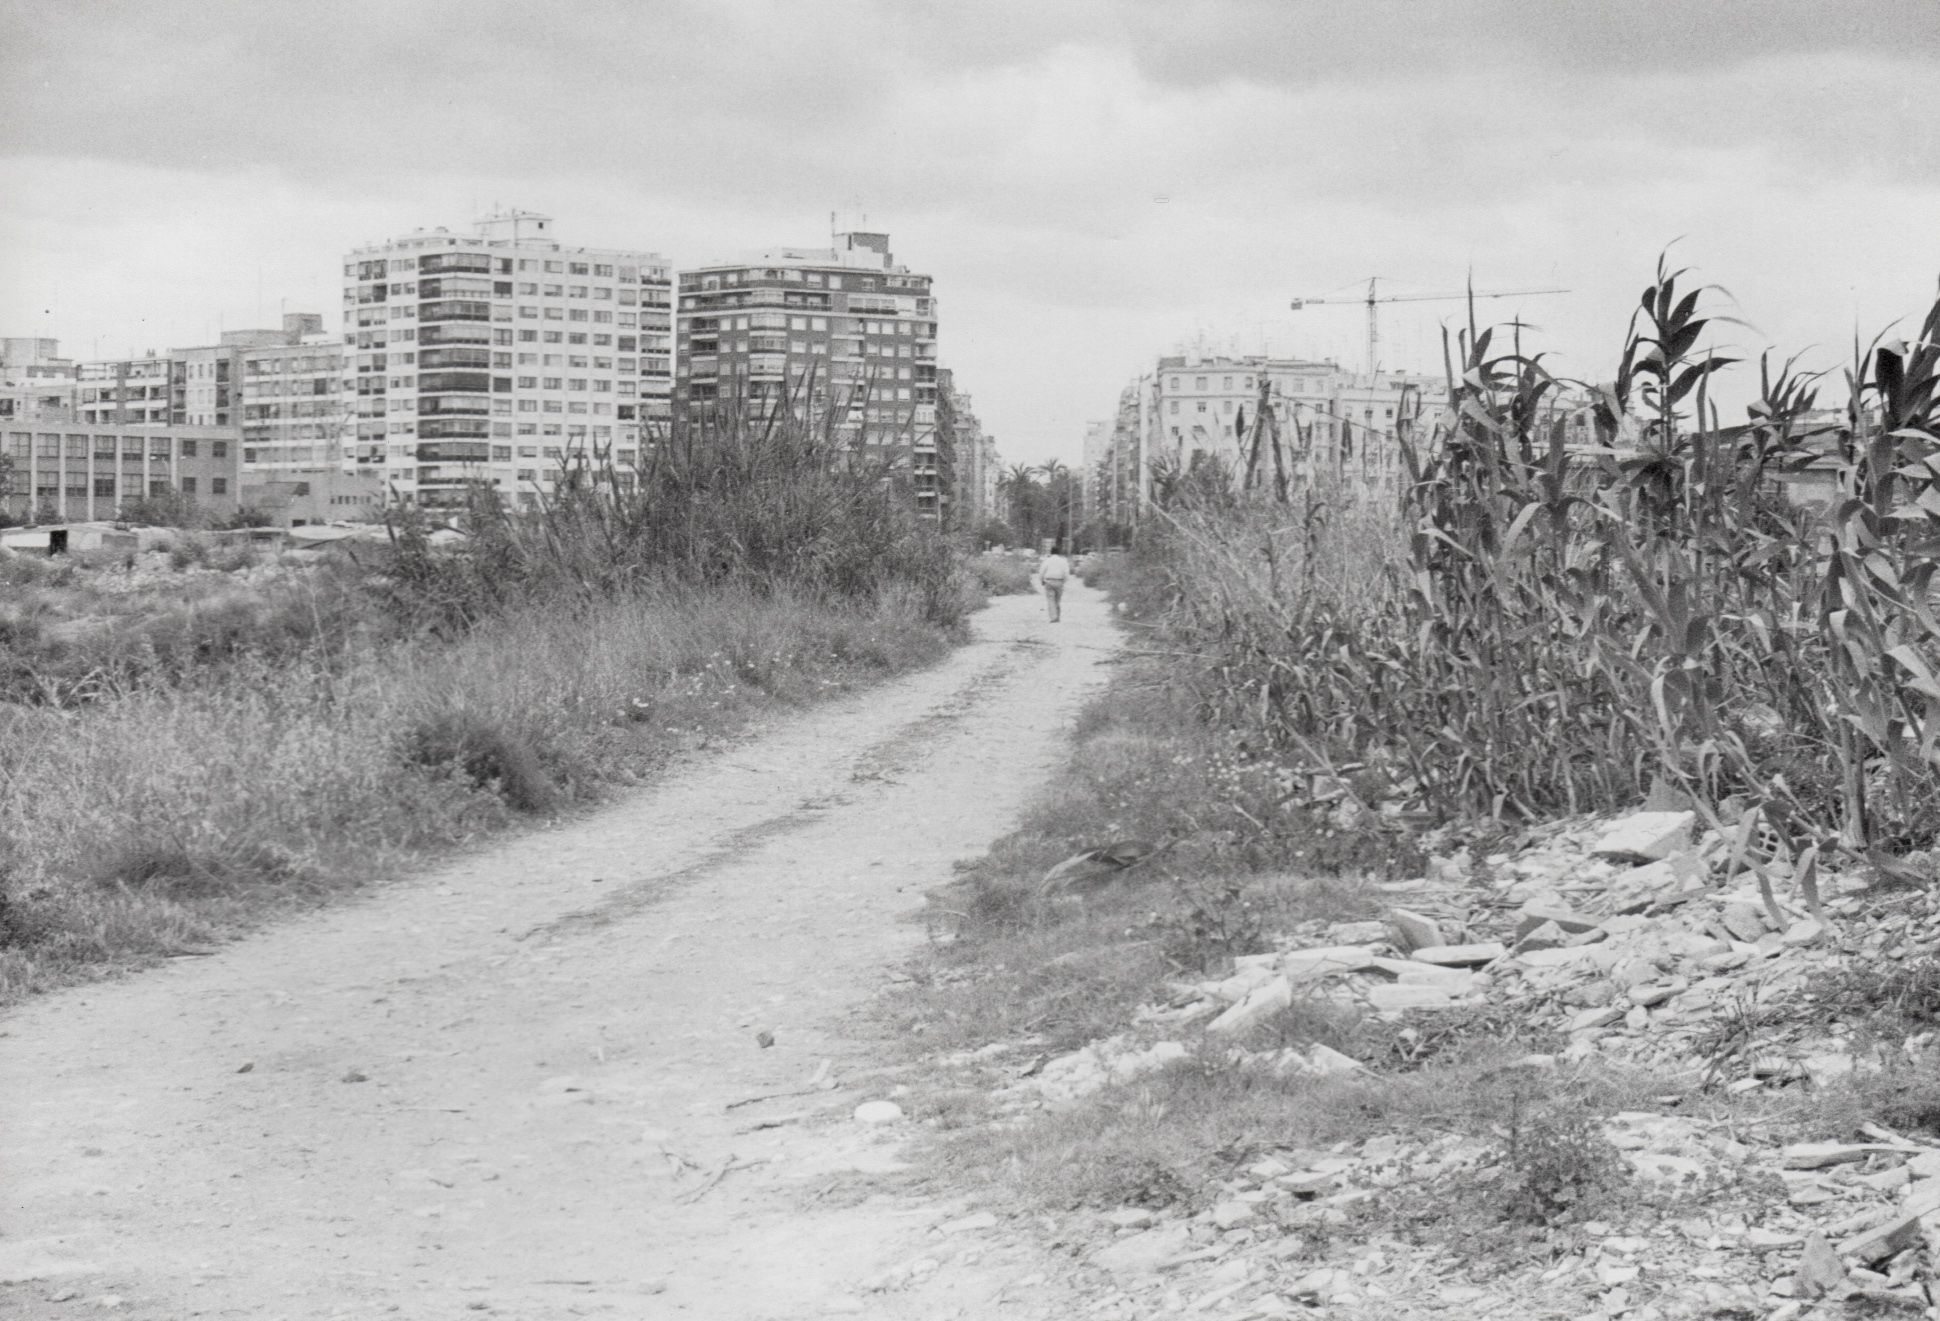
<point>1373,298</point>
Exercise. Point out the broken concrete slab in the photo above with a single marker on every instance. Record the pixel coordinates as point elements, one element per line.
<point>1396,996</point>
<point>1570,921</point>
<point>1460,956</point>
<point>1646,836</point>
<point>1413,930</point>
<point>1307,964</point>
<point>1260,1004</point>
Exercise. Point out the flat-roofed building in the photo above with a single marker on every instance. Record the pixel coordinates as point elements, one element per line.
<point>124,391</point>
<point>294,417</point>
<point>501,357</point>
<point>77,470</point>
<point>841,328</point>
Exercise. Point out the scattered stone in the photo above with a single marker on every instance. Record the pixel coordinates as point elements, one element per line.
<point>1459,956</point>
<point>1308,964</point>
<point>1414,930</point>
<point>248,1067</point>
<point>1409,995</point>
<point>1325,1060</point>
<point>764,1039</point>
<point>878,1112</point>
<point>1546,936</point>
<point>1819,1271</point>
<point>356,1075</point>
<point>1534,916</point>
<point>967,1224</point>
<point>1146,1253</point>
<point>1358,933</point>
<point>63,1295</point>
<point>1128,1217</point>
<point>1262,1003</point>
<point>1233,1214</point>
<point>1818,1155</point>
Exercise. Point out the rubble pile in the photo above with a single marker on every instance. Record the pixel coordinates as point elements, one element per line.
<point>1627,941</point>
<point>1288,1236</point>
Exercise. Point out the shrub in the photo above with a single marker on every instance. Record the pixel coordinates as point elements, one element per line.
<point>487,753</point>
<point>1000,575</point>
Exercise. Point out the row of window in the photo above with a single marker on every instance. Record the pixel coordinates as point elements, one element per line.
<point>104,489</point>
<point>380,267</point>
<point>47,445</point>
<point>797,275</point>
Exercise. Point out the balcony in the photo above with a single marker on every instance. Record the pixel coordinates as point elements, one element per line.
<point>448,381</point>
<point>459,333</point>
<point>463,357</point>
<point>454,310</point>
<point>445,262</point>
<point>454,428</point>
<point>459,288</point>
<point>453,453</point>
<point>448,405</point>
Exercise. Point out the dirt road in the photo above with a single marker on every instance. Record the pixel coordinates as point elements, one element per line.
<point>523,1085</point>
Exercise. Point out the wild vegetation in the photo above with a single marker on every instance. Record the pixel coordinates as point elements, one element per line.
<point>188,746</point>
<point>1528,629</point>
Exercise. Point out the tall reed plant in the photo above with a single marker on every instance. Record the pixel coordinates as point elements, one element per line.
<point>1535,626</point>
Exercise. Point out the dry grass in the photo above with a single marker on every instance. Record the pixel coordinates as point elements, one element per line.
<point>186,808</point>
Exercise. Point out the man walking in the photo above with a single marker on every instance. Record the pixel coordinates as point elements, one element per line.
<point>1051,573</point>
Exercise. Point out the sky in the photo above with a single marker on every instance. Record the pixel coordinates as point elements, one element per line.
<point>1091,183</point>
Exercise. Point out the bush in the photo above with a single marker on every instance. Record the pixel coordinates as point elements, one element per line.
<point>486,752</point>
<point>1001,575</point>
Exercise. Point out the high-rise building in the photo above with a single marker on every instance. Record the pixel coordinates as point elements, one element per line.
<point>502,356</point>
<point>841,330</point>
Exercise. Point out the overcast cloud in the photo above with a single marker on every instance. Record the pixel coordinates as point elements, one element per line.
<point>1090,182</point>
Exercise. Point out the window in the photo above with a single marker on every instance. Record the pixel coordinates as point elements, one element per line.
<point>219,449</point>
<point>188,452</point>
<point>188,483</point>
<point>219,486</point>
<point>1175,405</point>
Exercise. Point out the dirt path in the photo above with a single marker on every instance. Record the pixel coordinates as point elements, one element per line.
<point>519,1086</point>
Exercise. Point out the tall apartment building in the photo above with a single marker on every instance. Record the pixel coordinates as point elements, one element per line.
<point>842,327</point>
<point>502,356</point>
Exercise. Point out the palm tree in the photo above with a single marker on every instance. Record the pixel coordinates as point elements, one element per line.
<point>1019,488</point>
<point>1060,489</point>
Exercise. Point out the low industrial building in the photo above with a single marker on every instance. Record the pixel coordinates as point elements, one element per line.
<point>75,471</point>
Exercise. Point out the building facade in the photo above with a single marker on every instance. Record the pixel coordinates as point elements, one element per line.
<point>294,418</point>
<point>1324,422</point>
<point>841,331</point>
<point>80,471</point>
<point>501,357</point>
<point>124,392</point>
<point>35,381</point>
